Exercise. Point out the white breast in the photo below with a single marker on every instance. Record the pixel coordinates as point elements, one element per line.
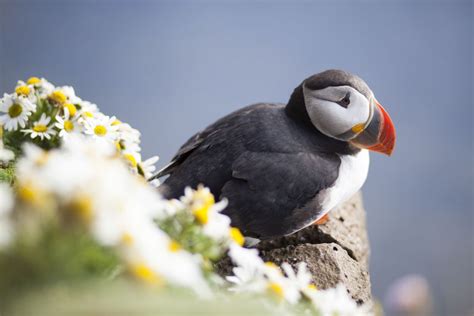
<point>352,174</point>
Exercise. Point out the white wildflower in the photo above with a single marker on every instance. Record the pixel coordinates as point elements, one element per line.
<point>17,110</point>
<point>41,128</point>
<point>248,273</point>
<point>336,301</point>
<point>70,94</point>
<point>67,125</point>
<point>207,212</point>
<point>218,224</point>
<point>24,90</point>
<point>128,139</point>
<point>128,133</point>
<point>88,110</point>
<point>301,280</point>
<point>42,86</point>
<point>101,128</point>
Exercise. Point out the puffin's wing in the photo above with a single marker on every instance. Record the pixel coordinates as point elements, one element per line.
<point>199,139</point>
<point>181,155</point>
<point>273,194</point>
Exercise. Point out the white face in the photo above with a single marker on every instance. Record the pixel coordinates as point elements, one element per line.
<point>339,112</point>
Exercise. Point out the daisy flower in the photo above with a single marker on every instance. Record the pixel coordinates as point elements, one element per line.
<point>207,213</point>
<point>279,285</point>
<point>17,110</point>
<point>132,159</point>
<point>128,133</point>
<point>248,273</point>
<point>101,127</point>
<point>63,95</point>
<point>71,108</point>
<point>70,94</point>
<point>88,110</point>
<point>129,138</point>
<point>300,280</point>
<point>24,90</point>
<point>41,128</point>
<point>336,301</point>
<point>42,86</point>
<point>58,97</point>
<point>67,125</point>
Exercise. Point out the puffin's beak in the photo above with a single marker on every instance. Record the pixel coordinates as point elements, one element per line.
<point>379,135</point>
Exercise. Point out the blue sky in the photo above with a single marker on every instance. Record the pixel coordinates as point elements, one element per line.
<point>171,68</point>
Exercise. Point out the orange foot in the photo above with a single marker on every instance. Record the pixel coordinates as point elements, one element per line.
<point>322,220</point>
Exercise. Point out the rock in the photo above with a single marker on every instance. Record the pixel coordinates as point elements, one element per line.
<point>336,252</point>
<point>329,264</point>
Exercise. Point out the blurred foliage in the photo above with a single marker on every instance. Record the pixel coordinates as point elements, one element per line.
<point>183,228</point>
<point>127,298</point>
<point>55,255</point>
<point>7,174</point>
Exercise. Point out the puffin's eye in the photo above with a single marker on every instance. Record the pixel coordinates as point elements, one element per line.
<point>344,102</point>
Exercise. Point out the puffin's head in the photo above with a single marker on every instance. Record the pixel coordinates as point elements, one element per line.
<point>342,106</point>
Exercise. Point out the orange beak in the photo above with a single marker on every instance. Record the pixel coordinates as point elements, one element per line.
<point>379,135</point>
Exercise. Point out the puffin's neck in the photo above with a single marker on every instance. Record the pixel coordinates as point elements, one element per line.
<point>296,110</point>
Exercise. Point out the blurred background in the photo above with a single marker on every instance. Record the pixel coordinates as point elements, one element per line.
<point>170,68</point>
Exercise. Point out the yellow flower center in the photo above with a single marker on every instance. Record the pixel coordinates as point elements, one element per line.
<point>174,246</point>
<point>68,126</point>
<point>271,265</point>
<point>82,207</point>
<point>100,130</point>
<point>127,239</point>
<point>40,128</point>
<point>204,200</point>
<point>277,289</point>
<point>27,193</point>
<point>42,158</point>
<point>22,90</point>
<point>116,122</point>
<point>58,97</point>
<point>15,110</point>
<point>33,80</point>
<point>32,195</point>
<point>202,214</point>
<point>237,236</point>
<point>312,287</point>
<point>131,160</point>
<point>71,108</point>
<point>144,273</point>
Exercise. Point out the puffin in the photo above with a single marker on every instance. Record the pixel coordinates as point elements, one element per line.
<point>283,167</point>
